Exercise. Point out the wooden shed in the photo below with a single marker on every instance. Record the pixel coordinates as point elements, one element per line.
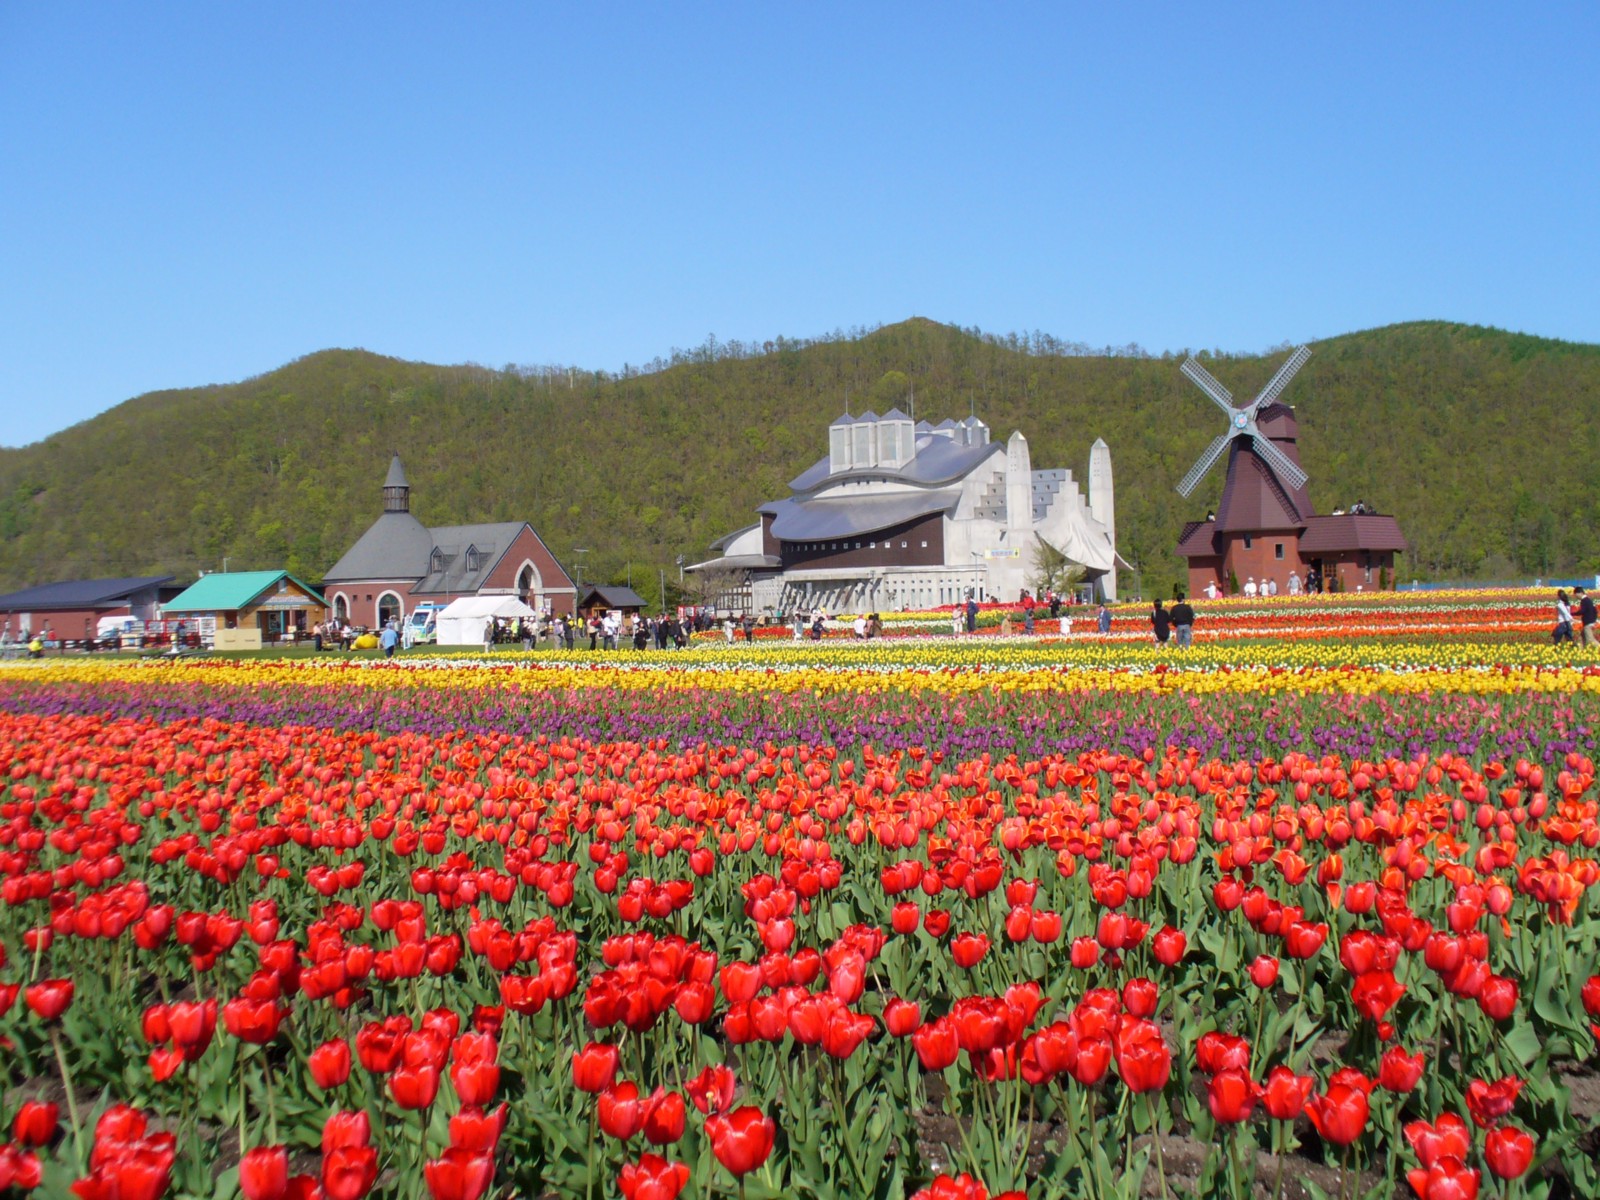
<point>252,608</point>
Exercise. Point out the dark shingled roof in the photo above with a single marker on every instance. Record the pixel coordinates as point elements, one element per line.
<point>454,573</point>
<point>395,546</point>
<point>1347,531</point>
<point>1198,539</point>
<point>80,593</point>
<point>612,596</point>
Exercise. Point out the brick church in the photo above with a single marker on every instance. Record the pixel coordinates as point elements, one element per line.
<point>399,563</point>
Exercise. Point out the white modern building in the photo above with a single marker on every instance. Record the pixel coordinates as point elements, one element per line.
<point>902,515</point>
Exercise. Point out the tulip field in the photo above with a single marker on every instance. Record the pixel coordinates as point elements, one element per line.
<point>1298,916</point>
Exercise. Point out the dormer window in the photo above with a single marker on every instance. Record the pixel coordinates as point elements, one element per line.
<point>472,558</point>
<point>436,561</point>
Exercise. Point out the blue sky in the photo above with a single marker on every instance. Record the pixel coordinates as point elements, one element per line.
<point>194,194</point>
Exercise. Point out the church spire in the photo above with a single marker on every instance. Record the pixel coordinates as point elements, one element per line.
<point>396,491</point>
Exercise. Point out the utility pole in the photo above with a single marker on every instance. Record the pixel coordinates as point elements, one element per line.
<point>663,589</point>
<point>580,553</point>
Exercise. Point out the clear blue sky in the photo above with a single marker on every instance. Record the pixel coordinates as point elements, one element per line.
<point>196,193</point>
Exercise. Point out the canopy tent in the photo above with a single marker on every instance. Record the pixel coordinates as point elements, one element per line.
<point>461,621</point>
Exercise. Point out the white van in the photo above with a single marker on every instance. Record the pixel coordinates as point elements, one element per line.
<point>423,624</point>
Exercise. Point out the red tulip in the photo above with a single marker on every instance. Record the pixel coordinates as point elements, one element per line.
<point>1085,953</point>
<point>49,998</point>
<point>1448,1137</point>
<point>1398,1071</point>
<point>712,1089</point>
<point>264,1173</point>
<point>348,1172</point>
<point>1264,971</point>
<point>740,982</point>
<point>459,1174</point>
<point>594,1067</point>
<point>1143,1059</point>
<point>1169,945</point>
<point>1340,1114</point>
<point>1498,998</point>
<point>936,1044</point>
<point>475,1082</point>
<point>1285,1094</point>
<point>253,1021</point>
<point>1508,1151</point>
<point>330,1064</point>
<point>346,1129</point>
<point>1046,927</point>
<point>1302,940</point>
<point>663,1118</point>
<point>1231,1095</point>
<point>1216,1052</point>
<point>844,1031</point>
<point>1446,1179</point>
<point>1488,1102</point>
<point>968,949</point>
<point>414,1087</point>
<point>620,1112</point>
<point>901,1018</point>
<point>1140,996</point>
<point>742,1140</point>
<point>35,1123</point>
<point>652,1178</point>
<point>476,1130</point>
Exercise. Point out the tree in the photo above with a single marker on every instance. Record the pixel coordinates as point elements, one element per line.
<point>1049,570</point>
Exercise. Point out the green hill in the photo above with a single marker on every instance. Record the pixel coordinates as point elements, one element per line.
<point>1483,443</point>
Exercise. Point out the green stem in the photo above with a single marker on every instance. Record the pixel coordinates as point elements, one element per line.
<point>1155,1137</point>
<point>72,1096</point>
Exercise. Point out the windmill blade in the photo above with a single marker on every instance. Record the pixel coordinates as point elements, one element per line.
<point>1275,387</point>
<point>1282,465</point>
<point>1202,377</point>
<point>1203,464</point>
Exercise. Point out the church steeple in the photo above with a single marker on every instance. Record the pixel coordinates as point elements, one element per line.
<point>396,491</point>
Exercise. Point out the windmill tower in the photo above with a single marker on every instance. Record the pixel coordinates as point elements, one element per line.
<point>1256,529</point>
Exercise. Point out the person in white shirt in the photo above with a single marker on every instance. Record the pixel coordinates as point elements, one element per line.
<point>1211,589</point>
<point>860,627</point>
<point>727,630</point>
<point>1250,586</point>
<point>1272,587</point>
<point>1294,583</point>
<point>608,630</point>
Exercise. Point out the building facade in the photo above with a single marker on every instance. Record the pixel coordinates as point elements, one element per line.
<point>903,515</point>
<point>399,563</point>
<point>74,608</point>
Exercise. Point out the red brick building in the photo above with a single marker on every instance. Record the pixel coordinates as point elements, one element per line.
<point>399,563</point>
<point>72,609</point>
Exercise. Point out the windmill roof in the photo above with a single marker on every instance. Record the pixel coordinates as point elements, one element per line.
<point>229,591</point>
<point>1255,498</point>
<point>80,593</point>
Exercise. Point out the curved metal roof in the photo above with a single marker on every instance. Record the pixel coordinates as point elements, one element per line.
<point>806,520</point>
<point>937,460</point>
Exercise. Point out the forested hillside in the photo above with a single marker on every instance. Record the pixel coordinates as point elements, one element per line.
<point>1483,443</point>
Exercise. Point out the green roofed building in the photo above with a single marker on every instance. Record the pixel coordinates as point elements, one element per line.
<point>250,608</point>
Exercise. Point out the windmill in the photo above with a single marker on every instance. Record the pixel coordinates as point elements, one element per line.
<point>1242,424</point>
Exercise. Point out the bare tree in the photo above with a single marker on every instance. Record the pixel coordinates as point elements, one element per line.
<point>1049,570</point>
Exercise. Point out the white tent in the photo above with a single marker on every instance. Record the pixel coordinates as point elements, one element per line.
<point>461,621</point>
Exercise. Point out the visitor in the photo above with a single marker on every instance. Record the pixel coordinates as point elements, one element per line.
<point>1027,612</point>
<point>1211,589</point>
<point>956,621</point>
<point>1272,587</point>
<point>594,632</point>
<point>817,620</point>
<point>799,625</point>
<point>388,639</point>
<point>1183,622</point>
<point>1250,587</point>
<point>875,626</point>
<point>1563,630</point>
<point>1102,619</point>
<point>1066,622</point>
<point>641,633</point>
<point>1586,616</point>
<point>1294,583</point>
<point>859,629</point>
<point>36,646</point>
<point>608,631</point>
<point>1161,619</point>
<point>727,629</point>
<point>488,634</point>
<point>749,624</point>
<point>972,614</point>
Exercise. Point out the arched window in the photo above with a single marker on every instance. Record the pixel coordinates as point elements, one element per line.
<point>528,582</point>
<point>341,607</point>
<point>390,608</point>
